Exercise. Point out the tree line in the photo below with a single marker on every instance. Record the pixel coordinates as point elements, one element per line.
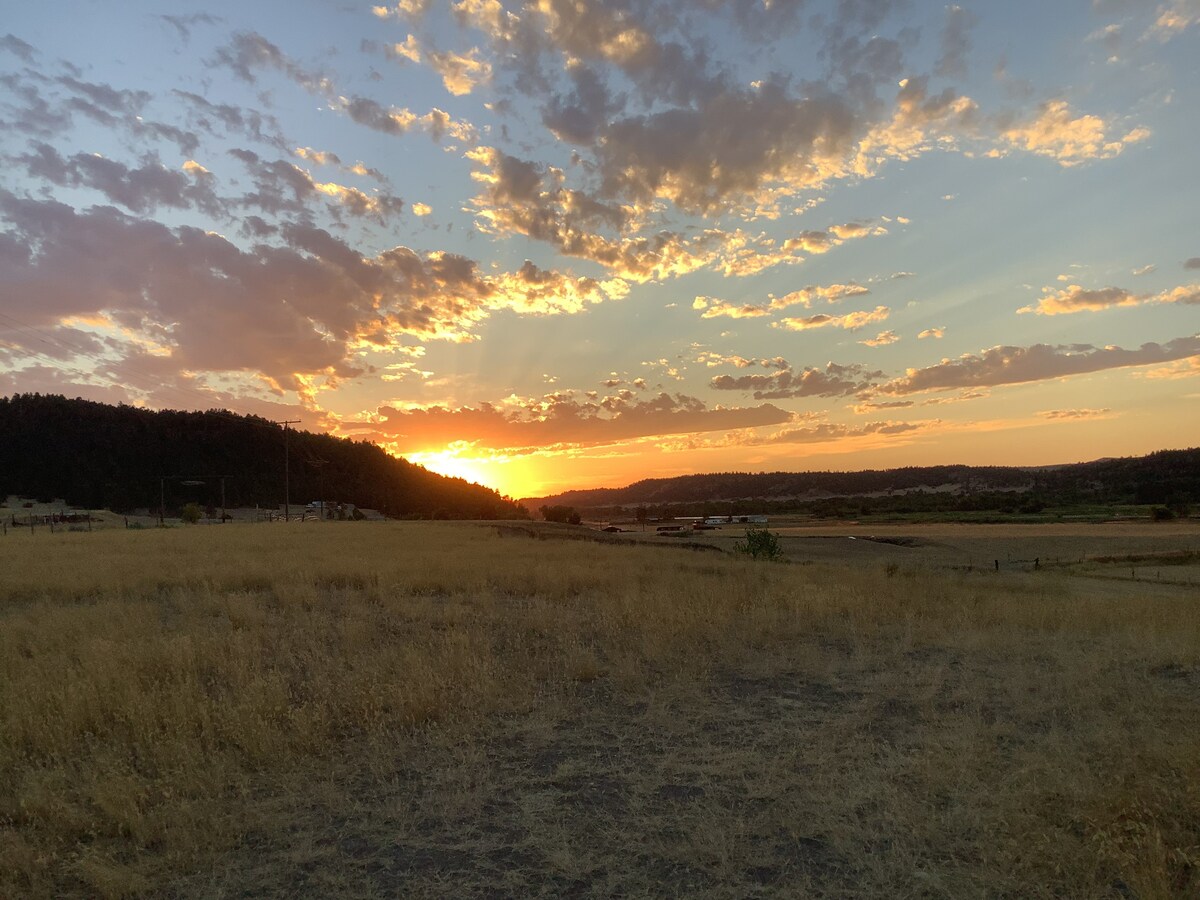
<point>1168,478</point>
<point>100,456</point>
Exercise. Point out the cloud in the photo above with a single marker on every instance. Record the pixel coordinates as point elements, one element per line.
<point>712,360</point>
<point>829,432</point>
<point>730,145</point>
<point>307,307</point>
<point>1144,270</point>
<point>1193,263</point>
<point>832,381</point>
<point>184,24</point>
<point>1174,18</point>
<point>870,406</point>
<point>410,49</point>
<point>17,47</point>
<point>715,308</point>
<point>955,42</point>
<point>283,187</point>
<point>1075,299</point>
<point>1184,368</point>
<point>461,72</point>
<point>1110,38</point>
<point>831,293</point>
<point>563,420</point>
<point>399,120</point>
<point>141,190</point>
<point>1184,293</point>
<point>248,52</point>
<point>1105,413</point>
<point>404,9</point>
<point>850,322</point>
<point>249,123</point>
<point>522,197</point>
<point>1040,362</point>
<point>919,122</point>
<point>34,112</point>
<point>1058,133</point>
<point>882,339</point>
<point>936,333</point>
<point>328,158</point>
<point>580,115</point>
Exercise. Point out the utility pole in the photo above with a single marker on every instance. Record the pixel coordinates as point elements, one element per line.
<point>286,468</point>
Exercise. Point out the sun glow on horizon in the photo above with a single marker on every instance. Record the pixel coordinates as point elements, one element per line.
<point>496,474</point>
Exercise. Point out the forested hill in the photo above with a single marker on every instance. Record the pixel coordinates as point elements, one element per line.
<point>1162,477</point>
<point>100,456</point>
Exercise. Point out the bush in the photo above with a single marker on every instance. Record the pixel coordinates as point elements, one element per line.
<point>191,513</point>
<point>1161,514</point>
<point>760,544</point>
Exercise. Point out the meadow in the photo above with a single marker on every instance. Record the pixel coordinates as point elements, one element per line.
<point>419,709</point>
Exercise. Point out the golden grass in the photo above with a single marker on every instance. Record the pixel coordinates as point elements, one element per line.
<point>213,708</point>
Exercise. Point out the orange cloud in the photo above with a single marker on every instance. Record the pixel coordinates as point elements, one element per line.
<point>561,420</point>
<point>1074,298</point>
<point>461,72</point>
<point>1105,413</point>
<point>1057,133</point>
<point>850,321</point>
<point>882,339</point>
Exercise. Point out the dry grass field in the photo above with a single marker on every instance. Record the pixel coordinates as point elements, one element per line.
<point>1096,549</point>
<point>417,710</point>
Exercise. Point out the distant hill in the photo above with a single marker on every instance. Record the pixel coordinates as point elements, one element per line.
<point>1168,476</point>
<point>100,456</point>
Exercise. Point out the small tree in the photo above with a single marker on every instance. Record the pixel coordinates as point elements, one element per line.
<point>760,544</point>
<point>191,513</point>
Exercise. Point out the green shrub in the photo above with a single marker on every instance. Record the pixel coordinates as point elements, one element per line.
<point>191,513</point>
<point>760,544</point>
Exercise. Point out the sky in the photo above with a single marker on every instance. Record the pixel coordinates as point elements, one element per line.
<point>553,244</point>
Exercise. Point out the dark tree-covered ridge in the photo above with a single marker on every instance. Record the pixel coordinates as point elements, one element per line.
<point>1164,477</point>
<point>100,456</point>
